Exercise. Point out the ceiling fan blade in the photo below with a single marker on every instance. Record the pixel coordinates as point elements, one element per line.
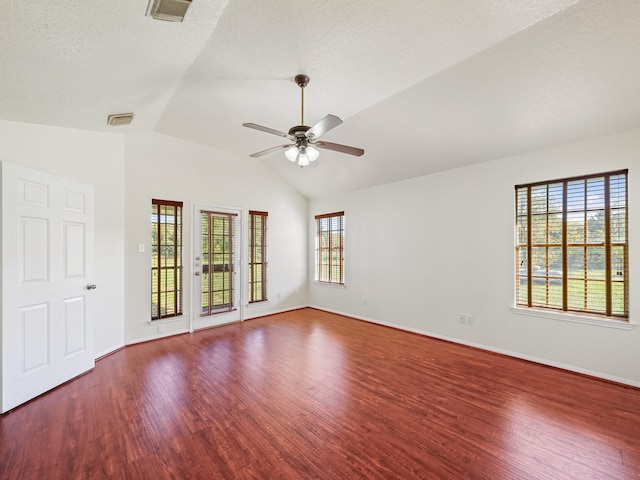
<point>269,151</point>
<point>340,148</point>
<point>255,126</point>
<point>323,126</point>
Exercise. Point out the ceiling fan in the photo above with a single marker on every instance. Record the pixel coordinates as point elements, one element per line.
<point>306,139</point>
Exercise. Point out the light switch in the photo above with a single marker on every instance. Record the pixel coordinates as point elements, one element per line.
<point>141,248</point>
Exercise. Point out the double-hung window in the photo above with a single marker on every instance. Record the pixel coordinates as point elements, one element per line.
<point>330,248</point>
<point>571,245</point>
<point>257,256</point>
<point>166,259</point>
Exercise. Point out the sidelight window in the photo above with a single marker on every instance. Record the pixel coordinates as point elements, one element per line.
<point>257,256</point>
<point>166,259</point>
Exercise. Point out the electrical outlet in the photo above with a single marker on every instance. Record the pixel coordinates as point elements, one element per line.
<point>470,320</point>
<point>162,328</point>
<point>364,301</point>
<point>462,318</point>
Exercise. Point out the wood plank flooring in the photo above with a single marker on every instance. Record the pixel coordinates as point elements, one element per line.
<point>313,395</point>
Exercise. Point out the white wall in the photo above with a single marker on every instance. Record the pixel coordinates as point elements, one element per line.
<point>423,250</point>
<point>96,159</point>
<point>159,166</point>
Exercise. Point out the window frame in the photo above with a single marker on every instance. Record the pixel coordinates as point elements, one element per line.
<point>524,221</point>
<point>324,225</point>
<point>178,267</point>
<point>253,296</point>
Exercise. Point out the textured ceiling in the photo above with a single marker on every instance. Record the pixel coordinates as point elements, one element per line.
<point>422,85</point>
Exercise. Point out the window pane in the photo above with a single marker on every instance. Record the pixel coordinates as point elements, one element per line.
<point>521,230</point>
<point>575,227</point>
<point>618,191</point>
<point>618,298</point>
<point>554,199</point>
<point>575,262</point>
<point>618,263</point>
<point>595,193</point>
<point>575,196</point>
<point>521,256</point>
<point>554,257</point>
<point>577,294</point>
<point>555,229</point>
<point>618,225</point>
<point>554,292</point>
<point>521,297</point>
<point>596,262</point>
<point>596,296</point>
<point>595,227</point>
<point>521,200</point>
<point>539,261</point>
<point>538,229</point>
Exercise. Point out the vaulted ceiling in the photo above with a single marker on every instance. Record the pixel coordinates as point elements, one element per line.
<point>422,85</point>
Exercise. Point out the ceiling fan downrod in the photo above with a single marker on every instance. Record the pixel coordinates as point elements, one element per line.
<point>302,81</point>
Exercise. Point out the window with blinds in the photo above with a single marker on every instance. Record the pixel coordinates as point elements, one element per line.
<point>330,248</point>
<point>166,259</point>
<point>571,245</point>
<point>257,256</point>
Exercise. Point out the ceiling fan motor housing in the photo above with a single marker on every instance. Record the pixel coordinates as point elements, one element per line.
<point>298,130</point>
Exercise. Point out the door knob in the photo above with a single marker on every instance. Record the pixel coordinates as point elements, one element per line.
<point>91,286</point>
<point>197,274</point>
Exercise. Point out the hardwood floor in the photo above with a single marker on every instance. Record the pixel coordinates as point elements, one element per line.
<point>308,394</point>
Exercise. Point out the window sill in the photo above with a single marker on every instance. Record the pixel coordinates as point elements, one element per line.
<point>572,317</point>
<point>160,321</point>
<point>332,285</point>
<point>257,304</point>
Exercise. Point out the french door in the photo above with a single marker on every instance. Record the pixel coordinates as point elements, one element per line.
<point>217,260</point>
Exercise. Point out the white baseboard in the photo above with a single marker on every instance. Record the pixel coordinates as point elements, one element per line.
<point>156,337</point>
<point>108,351</point>
<point>542,361</point>
<point>274,312</point>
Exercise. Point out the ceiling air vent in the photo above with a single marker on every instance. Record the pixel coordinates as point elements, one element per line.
<point>119,119</point>
<point>169,10</point>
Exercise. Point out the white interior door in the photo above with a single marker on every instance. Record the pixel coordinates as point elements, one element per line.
<point>47,256</point>
<point>216,266</point>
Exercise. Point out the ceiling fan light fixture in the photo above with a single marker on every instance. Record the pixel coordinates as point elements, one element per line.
<point>303,159</point>
<point>291,153</point>
<point>313,153</point>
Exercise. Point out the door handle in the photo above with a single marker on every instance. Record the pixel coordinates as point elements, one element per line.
<point>197,274</point>
<point>91,286</point>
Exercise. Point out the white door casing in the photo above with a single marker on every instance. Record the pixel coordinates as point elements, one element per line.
<point>47,257</point>
<point>198,320</point>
